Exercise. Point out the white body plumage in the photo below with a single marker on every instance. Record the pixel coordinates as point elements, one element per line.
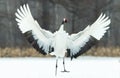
<point>60,42</point>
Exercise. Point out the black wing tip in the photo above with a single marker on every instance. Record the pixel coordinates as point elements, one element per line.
<point>68,53</point>
<point>28,35</point>
<point>92,41</point>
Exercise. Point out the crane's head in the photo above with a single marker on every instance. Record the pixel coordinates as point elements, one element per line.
<point>64,21</point>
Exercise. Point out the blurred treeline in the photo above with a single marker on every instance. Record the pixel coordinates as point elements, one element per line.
<point>49,14</point>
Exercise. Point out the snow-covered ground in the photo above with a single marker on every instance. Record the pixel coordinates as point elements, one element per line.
<point>83,67</point>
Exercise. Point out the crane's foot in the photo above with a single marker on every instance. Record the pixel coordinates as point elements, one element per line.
<point>65,71</point>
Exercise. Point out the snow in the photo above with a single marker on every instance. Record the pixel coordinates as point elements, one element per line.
<point>83,67</point>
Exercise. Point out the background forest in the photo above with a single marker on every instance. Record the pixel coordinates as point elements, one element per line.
<point>49,14</point>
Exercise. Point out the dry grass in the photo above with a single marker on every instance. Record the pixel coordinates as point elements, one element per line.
<point>18,52</point>
<point>30,52</point>
<point>104,51</point>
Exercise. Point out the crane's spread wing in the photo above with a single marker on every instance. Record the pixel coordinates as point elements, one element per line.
<point>85,39</point>
<point>39,38</point>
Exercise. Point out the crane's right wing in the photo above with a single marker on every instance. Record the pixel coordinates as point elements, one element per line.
<point>84,40</point>
<point>39,38</point>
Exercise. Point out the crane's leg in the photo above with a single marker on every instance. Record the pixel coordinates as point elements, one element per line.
<point>56,66</point>
<point>64,66</point>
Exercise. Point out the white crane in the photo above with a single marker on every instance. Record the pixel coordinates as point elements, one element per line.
<point>60,42</point>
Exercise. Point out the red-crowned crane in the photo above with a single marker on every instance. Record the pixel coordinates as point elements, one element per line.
<point>60,42</point>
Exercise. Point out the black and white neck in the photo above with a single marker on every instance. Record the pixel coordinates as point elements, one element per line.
<point>62,25</point>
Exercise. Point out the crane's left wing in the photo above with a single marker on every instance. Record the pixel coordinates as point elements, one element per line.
<point>39,38</point>
<point>84,40</point>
